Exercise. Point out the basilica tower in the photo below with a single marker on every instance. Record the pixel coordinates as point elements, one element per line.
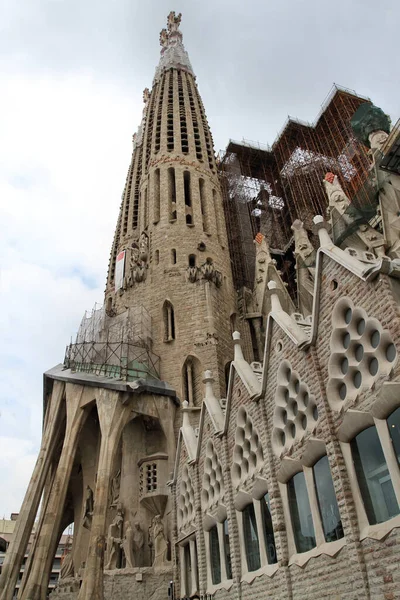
<point>170,252</point>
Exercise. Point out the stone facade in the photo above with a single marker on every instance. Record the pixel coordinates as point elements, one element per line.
<point>279,476</point>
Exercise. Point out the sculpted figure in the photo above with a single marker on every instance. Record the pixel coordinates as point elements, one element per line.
<point>67,567</point>
<point>146,95</point>
<point>160,543</point>
<point>207,269</point>
<point>192,274</point>
<point>114,540</point>
<point>115,486</point>
<point>138,543</point>
<point>144,246</point>
<point>88,514</point>
<point>127,545</point>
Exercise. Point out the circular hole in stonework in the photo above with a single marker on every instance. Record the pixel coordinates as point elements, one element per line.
<point>391,352</point>
<point>344,366</point>
<point>359,352</point>
<point>334,284</point>
<point>297,386</point>
<point>306,399</point>
<point>357,379</point>
<point>295,408</point>
<point>375,338</point>
<point>342,391</point>
<point>315,413</point>
<point>304,422</point>
<point>347,315</point>
<point>373,366</point>
<point>346,340</point>
<point>361,326</point>
<point>292,429</point>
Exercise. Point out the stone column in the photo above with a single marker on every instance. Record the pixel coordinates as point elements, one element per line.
<point>16,550</point>
<point>113,416</point>
<point>47,539</point>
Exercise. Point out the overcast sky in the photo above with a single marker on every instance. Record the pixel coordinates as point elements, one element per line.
<point>72,73</point>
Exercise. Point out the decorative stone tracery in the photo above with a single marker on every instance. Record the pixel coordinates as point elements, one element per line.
<point>186,500</point>
<point>213,483</point>
<point>248,458</point>
<point>296,412</point>
<point>361,351</point>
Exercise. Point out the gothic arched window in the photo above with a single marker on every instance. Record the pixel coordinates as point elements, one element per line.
<point>192,376</point>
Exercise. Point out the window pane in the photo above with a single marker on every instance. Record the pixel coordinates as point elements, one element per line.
<point>268,531</point>
<point>215,556</point>
<point>373,477</point>
<point>227,550</point>
<point>303,527</point>
<point>327,502</point>
<point>188,569</point>
<point>251,538</point>
<point>394,430</point>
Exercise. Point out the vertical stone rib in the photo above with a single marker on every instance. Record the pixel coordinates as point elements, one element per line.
<point>195,121</point>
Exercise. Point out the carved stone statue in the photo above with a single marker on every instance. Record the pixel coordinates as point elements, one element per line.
<point>342,215</point>
<point>191,274</point>
<point>114,540</point>
<point>115,487</point>
<point>159,542</point>
<point>67,567</point>
<point>144,246</point>
<point>88,514</point>
<point>303,247</point>
<point>127,545</point>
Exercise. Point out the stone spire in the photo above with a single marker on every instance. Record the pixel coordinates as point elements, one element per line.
<point>173,53</point>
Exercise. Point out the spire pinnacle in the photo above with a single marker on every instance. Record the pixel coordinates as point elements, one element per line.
<point>173,53</point>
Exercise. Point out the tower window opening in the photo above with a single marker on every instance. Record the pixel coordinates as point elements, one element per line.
<point>182,116</point>
<point>156,216</point>
<point>138,176</point>
<point>217,216</point>
<point>151,477</point>
<point>157,143</point>
<point>170,112</point>
<point>203,206</point>
<point>157,257</point>
<point>192,381</point>
<point>145,209</point>
<point>169,321</point>
<point>150,121</point>
<point>172,194</point>
<point>197,142</point>
<point>192,260</point>
<point>188,198</point>
<point>173,256</point>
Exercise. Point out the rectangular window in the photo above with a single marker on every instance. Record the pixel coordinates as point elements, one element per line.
<point>251,541</point>
<point>327,503</point>
<point>373,477</point>
<point>300,511</point>
<point>269,537</point>
<point>215,556</point>
<point>227,550</point>
<point>156,217</point>
<point>172,194</point>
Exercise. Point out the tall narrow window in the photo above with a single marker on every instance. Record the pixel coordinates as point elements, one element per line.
<point>192,260</point>
<point>393,423</point>
<point>217,217</point>
<point>327,503</point>
<point>227,550</point>
<point>170,112</point>
<point>215,555</point>
<point>203,206</point>
<point>157,257</point>
<point>172,194</point>
<point>169,322</point>
<point>251,541</point>
<point>300,510</point>
<point>188,569</point>
<point>156,216</point>
<point>173,256</point>
<point>182,116</point>
<point>269,537</point>
<point>145,209</point>
<point>188,198</point>
<point>373,477</point>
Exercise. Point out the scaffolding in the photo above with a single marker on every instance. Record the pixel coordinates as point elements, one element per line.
<point>267,188</point>
<point>117,347</point>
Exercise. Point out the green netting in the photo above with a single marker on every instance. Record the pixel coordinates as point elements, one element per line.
<point>369,118</point>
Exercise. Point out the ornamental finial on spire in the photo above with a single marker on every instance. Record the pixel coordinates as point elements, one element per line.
<point>173,21</point>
